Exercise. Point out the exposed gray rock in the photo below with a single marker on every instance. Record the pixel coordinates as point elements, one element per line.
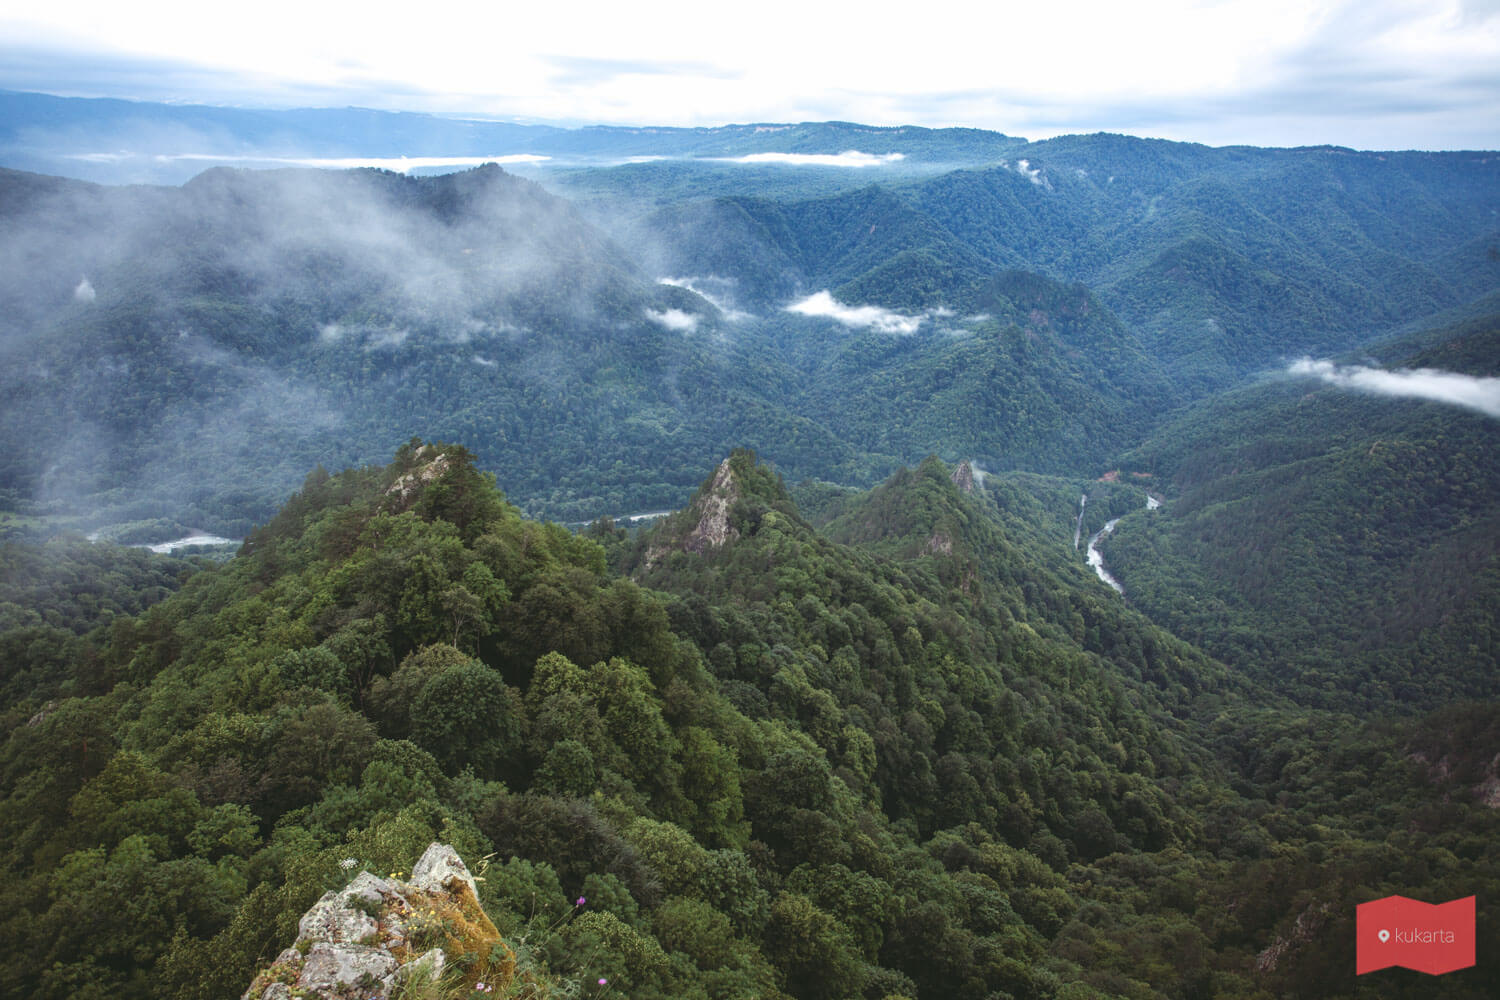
<point>438,867</point>
<point>370,888</point>
<point>353,944</point>
<point>432,962</point>
<point>713,528</point>
<point>333,920</point>
<point>404,488</point>
<point>331,967</point>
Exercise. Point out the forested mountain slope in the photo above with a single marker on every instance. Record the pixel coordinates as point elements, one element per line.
<point>185,353</point>
<point>1221,260</point>
<point>1340,545</point>
<point>790,767</point>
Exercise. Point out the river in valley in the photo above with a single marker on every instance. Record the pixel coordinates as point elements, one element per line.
<point>1095,557</point>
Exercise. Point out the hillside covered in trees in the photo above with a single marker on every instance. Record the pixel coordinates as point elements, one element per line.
<point>731,756</point>
<point>844,714</point>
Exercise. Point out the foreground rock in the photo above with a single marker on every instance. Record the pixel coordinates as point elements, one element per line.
<point>369,939</point>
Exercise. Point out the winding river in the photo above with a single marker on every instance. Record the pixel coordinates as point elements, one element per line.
<point>1096,558</point>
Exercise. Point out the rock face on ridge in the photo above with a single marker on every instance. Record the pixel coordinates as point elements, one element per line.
<point>963,477</point>
<point>365,941</point>
<point>712,529</point>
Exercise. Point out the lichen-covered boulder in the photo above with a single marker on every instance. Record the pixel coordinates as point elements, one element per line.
<point>369,889</point>
<point>333,967</point>
<point>332,919</point>
<point>439,868</point>
<point>376,936</point>
<point>428,967</point>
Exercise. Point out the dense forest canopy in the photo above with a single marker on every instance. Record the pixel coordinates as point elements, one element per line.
<point>905,757</point>
<point>849,715</point>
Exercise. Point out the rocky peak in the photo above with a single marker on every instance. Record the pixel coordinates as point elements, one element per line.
<point>711,506</point>
<point>434,464</point>
<point>371,938</point>
<point>713,528</point>
<point>963,477</point>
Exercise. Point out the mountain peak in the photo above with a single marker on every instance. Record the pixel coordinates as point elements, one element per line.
<point>712,518</point>
<point>963,477</point>
<point>713,504</point>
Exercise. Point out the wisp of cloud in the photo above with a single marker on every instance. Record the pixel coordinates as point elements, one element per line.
<point>848,158</point>
<point>695,285</point>
<point>399,164</point>
<point>1471,391</point>
<point>865,317</point>
<point>673,319</point>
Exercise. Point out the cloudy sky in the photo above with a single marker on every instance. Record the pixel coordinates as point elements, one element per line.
<point>1373,74</point>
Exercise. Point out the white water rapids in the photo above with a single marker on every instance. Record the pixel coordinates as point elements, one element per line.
<point>1095,557</point>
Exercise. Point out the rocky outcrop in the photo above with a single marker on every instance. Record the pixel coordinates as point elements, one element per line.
<point>403,489</point>
<point>712,506</point>
<point>963,477</point>
<point>713,528</point>
<point>440,869</point>
<point>367,940</point>
<point>941,543</point>
<point>1445,769</point>
<point>1304,931</point>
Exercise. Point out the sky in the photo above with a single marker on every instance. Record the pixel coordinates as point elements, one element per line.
<point>1371,74</point>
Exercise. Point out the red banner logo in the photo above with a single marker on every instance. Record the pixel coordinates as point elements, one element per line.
<point>1430,938</point>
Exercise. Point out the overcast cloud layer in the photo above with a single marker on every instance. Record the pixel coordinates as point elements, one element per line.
<point>1374,74</point>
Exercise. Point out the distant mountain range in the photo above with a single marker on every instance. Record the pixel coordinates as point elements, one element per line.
<point>113,140</point>
<point>180,356</point>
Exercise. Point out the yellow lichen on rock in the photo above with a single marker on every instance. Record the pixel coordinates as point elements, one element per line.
<point>372,938</point>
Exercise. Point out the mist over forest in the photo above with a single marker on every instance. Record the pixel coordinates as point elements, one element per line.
<point>1072,567</point>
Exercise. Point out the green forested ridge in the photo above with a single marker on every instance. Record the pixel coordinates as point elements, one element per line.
<point>273,320</point>
<point>247,326</point>
<point>1341,546</point>
<point>891,740</point>
<point>914,762</point>
<point>1220,260</point>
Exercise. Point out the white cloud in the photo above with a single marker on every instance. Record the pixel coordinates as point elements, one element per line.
<point>695,285</point>
<point>484,362</point>
<point>1033,175</point>
<point>673,319</point>
<point>848,158</point>
<point>84,292</point>
<point>866,317</point>
<point>1473,392</point>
